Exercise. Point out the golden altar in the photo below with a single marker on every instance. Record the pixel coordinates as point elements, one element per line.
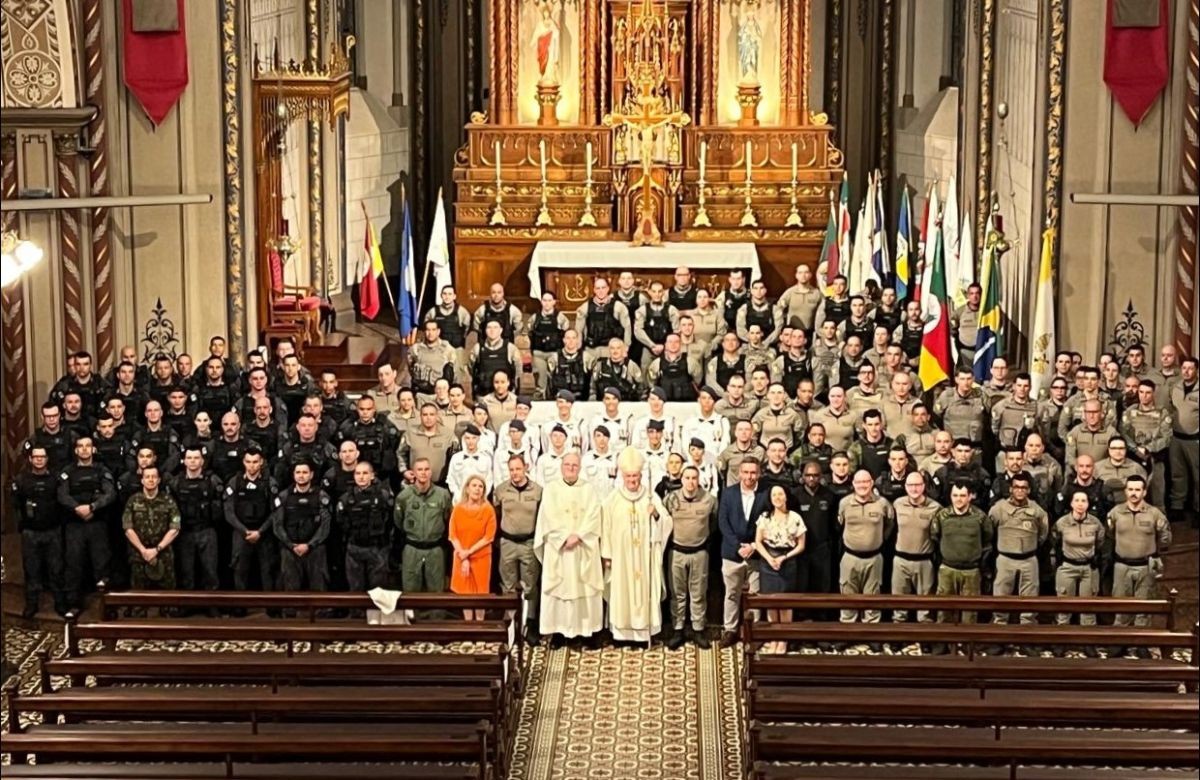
<point>644,121</point>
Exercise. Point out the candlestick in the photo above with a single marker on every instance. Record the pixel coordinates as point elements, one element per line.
<point>587,218</point>
<point>543,217</point>
<point>748,217</point>
<point>498,217</point>
<point>701,219</point>
<point>793,160</point>
<point>793,218</point>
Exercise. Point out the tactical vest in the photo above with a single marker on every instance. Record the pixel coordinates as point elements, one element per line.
<point>875,455</point>
<point>266,438</point>
<point>37,501</point>
<point>181,424</point>
<point>568,374</point>
<point>794,371</point>
<point>847,374</point>
<point>365,514</point>
<point>451,326</point>
<point>889,319</point>
<point>58,447</point>
<point>251,500</point>
<point>683,301</point>
<point>369,439</point>
<point>338,482</point>
<point>489,362</point>
<point>195,498</point>
<point>675,379</point>
<point>216,400</point>
<point>301,513</point>
<point>865,330</point>
<point>910,340</point>
<point>305,452</point>
<point>725,372</point>
<point>84,483</point>
<point>610,375</point>
<point>733,304</point>
<point>159,441</point>
<point>544,335</point>
<point>491,315</point>
<point>837,311</point>
<point>227,457</point>
<point>764,319</point>
<point>110,453</point>
<point>602,324</point>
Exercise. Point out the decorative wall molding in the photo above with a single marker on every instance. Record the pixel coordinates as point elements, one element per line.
<point>66,165</point>
<point>231,108</point>
<point>159,336</point>
<point>1127,332</point>
<point>1055,101</point>
<point>97,135</point>
<point>38,53</point>
<point>12,325</point>
<point>1184,333</point>
<point>983,193</point>
<point>833,66</point>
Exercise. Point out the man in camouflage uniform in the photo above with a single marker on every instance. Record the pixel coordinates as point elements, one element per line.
<point>421,514</point>
<point>1147,429</point>
<point>151,522</point>
<point>963,536</point>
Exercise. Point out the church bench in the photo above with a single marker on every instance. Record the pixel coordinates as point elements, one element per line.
<point>970,635</point>
<point>255,703</point>
<point>307,602</point>
<point>965,707</point>
<point>211,771</point>
<point>1123,674</point>
<point>980,746</point>
<point>275,669</point>
<point>234,743</point>
<point>1160,610</point>
<point>765,771</point>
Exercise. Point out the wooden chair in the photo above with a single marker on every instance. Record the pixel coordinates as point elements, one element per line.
<point>294,303</point>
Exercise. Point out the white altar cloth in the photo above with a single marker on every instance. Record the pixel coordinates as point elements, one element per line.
<point>619,254</point>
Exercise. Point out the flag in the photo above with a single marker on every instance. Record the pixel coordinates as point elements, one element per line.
<point>988,338</point>
<point>406,301</point>
<point>372,272</point>
<point>950,220</point>
<point>1043,343</point>
<point>935,366</point>
<point>829,262</point>
<point>843,228</point>
<point>903,244</point>
<point>925,250</point>
<point>966,263</point>
<point>439,248</point>
<point>881,262</point>
<point>860,259</point>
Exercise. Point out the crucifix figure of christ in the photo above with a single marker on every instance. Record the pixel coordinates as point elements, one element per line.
<point>650,114</point>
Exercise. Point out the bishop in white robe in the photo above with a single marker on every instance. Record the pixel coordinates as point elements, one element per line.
<point>567,542</point>
<point>635,527</point>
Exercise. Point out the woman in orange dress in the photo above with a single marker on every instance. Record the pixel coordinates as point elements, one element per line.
<point>472,532</point>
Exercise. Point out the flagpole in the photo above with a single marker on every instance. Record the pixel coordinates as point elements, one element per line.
<point>387,287</point>
<point>425,273</point>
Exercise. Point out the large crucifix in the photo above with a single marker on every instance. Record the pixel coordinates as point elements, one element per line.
<point>651,115</point>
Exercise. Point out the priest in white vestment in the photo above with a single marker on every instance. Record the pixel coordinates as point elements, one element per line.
<point>567,542</point>
<point>635,527</point>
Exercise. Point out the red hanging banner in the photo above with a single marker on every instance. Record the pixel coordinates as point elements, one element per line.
<point>155,58</point>
<point>1135,54</point>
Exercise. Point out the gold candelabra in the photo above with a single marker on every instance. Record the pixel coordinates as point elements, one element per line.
<point>701,219</point>
<point>748,217</point>
<point>793,218</point>
<point>588,219</point>
<point>498,217</point>
<point>543,217</point>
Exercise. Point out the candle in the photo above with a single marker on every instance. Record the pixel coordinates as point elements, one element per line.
<point>542,146</point>
<point>589,160</point>
<point>497,156</point>
<point>793,159</point>
<point>749,147</point>
<point>703,157</point>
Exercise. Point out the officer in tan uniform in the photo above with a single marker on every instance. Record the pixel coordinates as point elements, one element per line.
<point>1022,527</point>
<point>912,569</point>
<point>962,408</point>
<point>693,515</point>
<point>430,360</point>
<point>1148,430</point>
<point>1090,437</point>
<point>866,521</point>
<point>1141,534</point>
<point>1185,443</point>
<point>1014,412</point>
<point>517,501</point>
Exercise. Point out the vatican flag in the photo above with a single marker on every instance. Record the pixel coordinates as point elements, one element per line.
<point>1043,342</point>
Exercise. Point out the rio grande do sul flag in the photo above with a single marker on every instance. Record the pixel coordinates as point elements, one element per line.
<point>935,363</point>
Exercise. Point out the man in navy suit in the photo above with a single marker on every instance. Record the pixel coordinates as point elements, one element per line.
<point>739,508</point>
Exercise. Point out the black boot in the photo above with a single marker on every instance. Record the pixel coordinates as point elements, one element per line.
<point>677,639</point>
<point>532,636</point>
<point>701,640</point>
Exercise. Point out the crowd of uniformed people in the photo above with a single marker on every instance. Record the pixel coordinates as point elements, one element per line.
<point>171,473</point>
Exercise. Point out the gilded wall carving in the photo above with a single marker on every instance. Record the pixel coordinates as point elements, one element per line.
<point>38,56</point>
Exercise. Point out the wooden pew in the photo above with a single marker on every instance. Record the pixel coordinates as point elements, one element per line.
<point>233,743</point>
<point>978,672</point>
<point>210,771</point>
<point>965,707</point>
<point>765,771</point>
<point>977,746</point>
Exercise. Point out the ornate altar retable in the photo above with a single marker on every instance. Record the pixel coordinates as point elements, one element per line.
<point>643,122</point>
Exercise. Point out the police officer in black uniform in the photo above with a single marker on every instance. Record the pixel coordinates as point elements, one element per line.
<point>911,332</point>
<point>364,513</point>
<point>214,394</point>
<point>85,490</point>
<point>835,308</point>
<point>568,369</point>
<point>375,437</point>
<point>111,446</point>
<point>180,413</point>
<point>818,506</point>
<point>227,451</point>
<point>291,386</point>
<point>335,403</point>
<point>301,521</point>
<point>249,501</point>
<point>305,447</point>
<point>35,500</point>
<point>75,419</point>
<point>962,470</point>
<point>52,437</point>
<point>198,494</point>
<point>158,437</point>
<point>90,386</point>
<point>265,430</point>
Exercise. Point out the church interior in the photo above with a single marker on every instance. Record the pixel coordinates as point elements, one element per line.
<point>681,389</point>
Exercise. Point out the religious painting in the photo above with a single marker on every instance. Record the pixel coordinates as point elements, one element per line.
<point>748,54</point>
<point>548,54</point>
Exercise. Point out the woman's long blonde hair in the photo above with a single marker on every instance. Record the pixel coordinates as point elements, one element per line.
<point>466,489</point>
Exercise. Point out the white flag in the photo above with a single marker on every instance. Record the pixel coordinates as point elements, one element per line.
<point>950,244</point>
<point>1043,341</point>
<point>860,261</point>
<point>959,278</point>
<point>439,249</point>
